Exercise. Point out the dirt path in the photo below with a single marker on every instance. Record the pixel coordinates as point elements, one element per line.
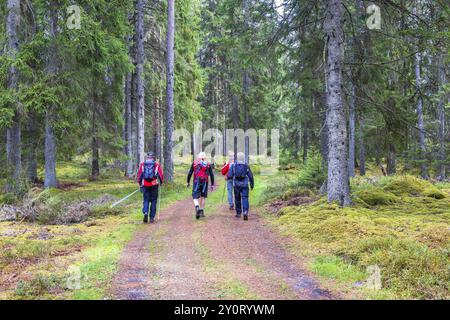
<point>217,257</point>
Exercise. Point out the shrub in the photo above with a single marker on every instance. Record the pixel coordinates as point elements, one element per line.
<point>312,175</point>
<point>8,198</point>
<point>37,286</point>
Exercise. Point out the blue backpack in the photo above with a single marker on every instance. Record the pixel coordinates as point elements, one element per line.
<point>240,171</point>
<point>148,173</point>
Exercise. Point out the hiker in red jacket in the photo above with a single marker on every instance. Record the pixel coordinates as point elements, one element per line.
<point>224,171</point>
<point>150,176</point>
<point>202,170</point>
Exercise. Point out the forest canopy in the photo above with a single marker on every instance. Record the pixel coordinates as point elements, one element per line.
<point>92,79</point>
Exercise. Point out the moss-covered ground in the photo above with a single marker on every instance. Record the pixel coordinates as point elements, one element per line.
<point>399,224</point>
<point>74,261</point>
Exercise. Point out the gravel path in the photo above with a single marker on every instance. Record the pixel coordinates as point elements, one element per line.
<point>217,257</point>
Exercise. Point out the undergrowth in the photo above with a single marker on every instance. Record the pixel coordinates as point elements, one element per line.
<point>398,223</point>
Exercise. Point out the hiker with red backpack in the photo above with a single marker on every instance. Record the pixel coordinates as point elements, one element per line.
<point>150,177</point>
<point>242,176</point>
<point>202,170</point>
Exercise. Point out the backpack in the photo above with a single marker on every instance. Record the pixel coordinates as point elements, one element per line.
<point>201,170</point>
<point>149,172</point>
<point>240,171</point>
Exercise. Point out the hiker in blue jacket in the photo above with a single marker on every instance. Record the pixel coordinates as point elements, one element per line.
<point>242,176</point>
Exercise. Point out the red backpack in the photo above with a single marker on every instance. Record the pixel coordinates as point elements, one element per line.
<point>201,170</point>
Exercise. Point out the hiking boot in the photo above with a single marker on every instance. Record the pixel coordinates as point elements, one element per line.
<point>245,216</point>
<point>202,213</point>
<point>152,220</point>
<point>197,212</point>
<point>231,207</point>
<point>238,215</point>
<point>145,218</point>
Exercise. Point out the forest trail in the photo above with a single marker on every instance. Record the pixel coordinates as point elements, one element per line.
<point>217,257</point>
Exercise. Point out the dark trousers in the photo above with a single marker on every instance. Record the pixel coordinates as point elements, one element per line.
<point>241,199</point>
<point>150,198</point>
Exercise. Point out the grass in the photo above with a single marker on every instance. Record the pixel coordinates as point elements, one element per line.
<point>99,263</point>
<point>43,258</point>
<point>335,268</point>
<point>394,224</point>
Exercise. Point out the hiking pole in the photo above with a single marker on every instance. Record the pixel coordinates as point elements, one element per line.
<point>159,202</point>
<point>123,199</point>
<point>224,187</point>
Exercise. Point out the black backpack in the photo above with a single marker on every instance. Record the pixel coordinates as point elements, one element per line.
<point>240,171</point>
<point>149,174</point>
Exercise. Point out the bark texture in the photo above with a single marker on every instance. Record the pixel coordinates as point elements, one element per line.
<point>338,188</point>
<point>351,129</point>
<point>50,180</point>
<point>13,133</point>
<point>420,123</point>
<point>140,4</point>
<point>362,147</point>
<point>168,144</point>
<point>441,170</point>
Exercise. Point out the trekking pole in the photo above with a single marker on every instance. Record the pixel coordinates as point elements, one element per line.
<point>159,202</point>
<point>223,193</point>
<point>123,199</point>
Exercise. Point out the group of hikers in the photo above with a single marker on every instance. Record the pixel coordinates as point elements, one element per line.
<point>237,173</point>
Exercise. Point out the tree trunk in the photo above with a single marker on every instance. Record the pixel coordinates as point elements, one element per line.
<point>95,164</point>
<point>50,152</point>
<point>13,133</point>
<point>156,126</point>
<point>362,148</point>
<point>128,127</point>
<point>391,159</point>
<point>419,110</point>
<point>420,124</point>
<point>168,144</point>
<point>441,174</point>
<point>140,4</point>
<point>134,123</point>
<point>305,141</point>
<point>351,128</point>
<point>246,86</point>
<point>32,148</point>
<point>52,69</point>
<point>338,187</point>
<point>235,108</point>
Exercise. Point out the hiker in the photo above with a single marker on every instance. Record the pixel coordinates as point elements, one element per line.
<point>241,175</point>
<point>201,169</point>
<point>225,169</point>
<point>148,175</point>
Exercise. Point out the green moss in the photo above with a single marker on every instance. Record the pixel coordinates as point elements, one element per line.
<point>376,196</point>
<point>407,185</point>
<point>410,268</point>
<point>434,193</point>
<point>407,238</point>
<point>296,192</point>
